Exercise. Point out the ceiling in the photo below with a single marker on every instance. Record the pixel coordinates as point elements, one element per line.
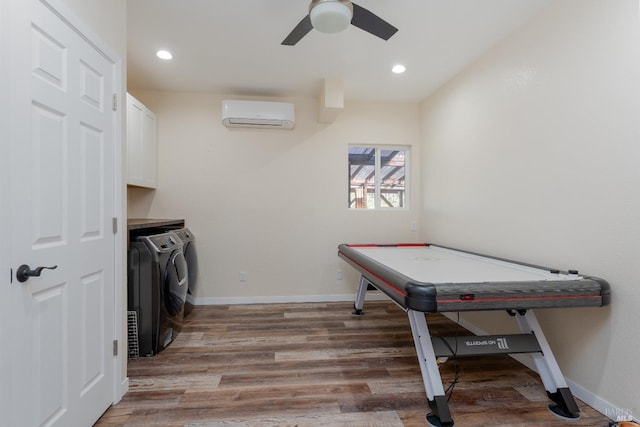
<point>233,47</point>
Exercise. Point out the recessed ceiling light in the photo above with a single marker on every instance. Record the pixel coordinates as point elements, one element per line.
<point>399,69</point>
<point>164,54</point>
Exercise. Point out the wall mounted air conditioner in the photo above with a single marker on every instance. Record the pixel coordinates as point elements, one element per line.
<point>258,114</point>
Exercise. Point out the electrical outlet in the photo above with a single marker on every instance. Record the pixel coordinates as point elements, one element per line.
<point>413,226</point>
<point>243,276</point>
<point>339,275</point>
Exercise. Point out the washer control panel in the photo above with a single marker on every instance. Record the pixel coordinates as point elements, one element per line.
<point>163,242</point>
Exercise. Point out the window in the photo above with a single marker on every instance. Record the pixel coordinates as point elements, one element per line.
<point>377,177</point>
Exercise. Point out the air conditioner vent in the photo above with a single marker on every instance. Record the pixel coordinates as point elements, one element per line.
<point>258,114</point>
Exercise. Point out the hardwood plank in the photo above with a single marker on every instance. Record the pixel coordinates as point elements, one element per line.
<point>171,382</point>
<point>337,354</point>
<point>230,396</point>
<point>373,419</point>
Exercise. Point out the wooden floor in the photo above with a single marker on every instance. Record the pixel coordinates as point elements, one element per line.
<point>316,365</point>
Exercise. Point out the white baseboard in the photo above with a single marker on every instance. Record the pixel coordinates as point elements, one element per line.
<point>124,386</point>
<point>607,409</point>
<point>371,296</point>
<point>613,412</point>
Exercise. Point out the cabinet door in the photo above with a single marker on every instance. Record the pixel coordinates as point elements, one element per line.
<point>149,148</point>
<point>141,144</point>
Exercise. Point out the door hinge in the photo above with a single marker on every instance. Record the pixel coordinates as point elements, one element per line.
<point>115,347</point>
<point>114,223</point>
<point>115,102</point>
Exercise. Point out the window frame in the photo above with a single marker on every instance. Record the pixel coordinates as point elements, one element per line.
<point>378,148</point>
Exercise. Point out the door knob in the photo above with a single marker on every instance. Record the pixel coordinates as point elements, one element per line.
<point>24,272</point>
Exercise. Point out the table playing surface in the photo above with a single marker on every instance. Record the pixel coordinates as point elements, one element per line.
<point>432,278</point>
<point>432,264</point>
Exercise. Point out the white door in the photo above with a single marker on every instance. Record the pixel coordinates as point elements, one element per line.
<point>61,137</point>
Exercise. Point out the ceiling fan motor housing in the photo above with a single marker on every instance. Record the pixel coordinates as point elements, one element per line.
<point>330,16</point>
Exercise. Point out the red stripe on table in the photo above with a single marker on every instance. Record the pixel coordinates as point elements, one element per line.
<point>403,293</point>
<point>392,245</point>
<point>543,298</point>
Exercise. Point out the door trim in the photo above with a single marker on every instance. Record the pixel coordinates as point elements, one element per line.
<point>5,226</point>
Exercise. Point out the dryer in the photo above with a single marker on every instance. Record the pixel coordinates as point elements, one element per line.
<point>158,284</point>
<point>189,250</point>
<point>142,297</point>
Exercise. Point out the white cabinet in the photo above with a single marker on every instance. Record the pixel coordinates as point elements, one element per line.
<point>142,147</point>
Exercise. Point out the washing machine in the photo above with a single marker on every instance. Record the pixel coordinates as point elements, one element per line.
<point>157,289</point>
<point>189,250</point>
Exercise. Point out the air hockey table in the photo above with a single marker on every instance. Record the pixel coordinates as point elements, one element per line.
<point>427,278</point>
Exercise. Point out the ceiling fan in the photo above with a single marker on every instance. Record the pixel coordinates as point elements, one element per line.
<point>332,16</point>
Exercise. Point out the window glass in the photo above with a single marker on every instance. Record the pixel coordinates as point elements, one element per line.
<point>377,177</point>
<point>392,178</point>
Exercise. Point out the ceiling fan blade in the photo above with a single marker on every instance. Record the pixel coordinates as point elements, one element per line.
<point>371,23</point>
<point>298,32</point>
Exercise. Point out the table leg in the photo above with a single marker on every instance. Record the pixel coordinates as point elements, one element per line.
<point>549,370</point>
<point>429,369</point>
<point>360,294</point>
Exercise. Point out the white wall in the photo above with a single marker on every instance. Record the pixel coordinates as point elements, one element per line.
<point>269,202</point>
<point>107,19</point>
<point>533,153</point>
